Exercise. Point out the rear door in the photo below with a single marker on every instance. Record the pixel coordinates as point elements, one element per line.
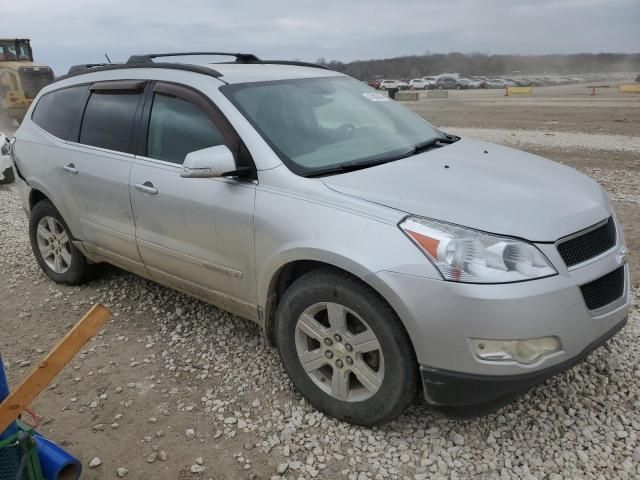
<point>194,234</point>
<point>97,166</point>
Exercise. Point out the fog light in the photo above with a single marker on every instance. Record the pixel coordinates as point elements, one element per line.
<point>525,351</point>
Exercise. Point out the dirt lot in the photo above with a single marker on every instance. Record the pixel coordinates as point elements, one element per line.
<point>166,363</point>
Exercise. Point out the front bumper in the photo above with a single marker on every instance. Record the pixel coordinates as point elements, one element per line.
<point>456,389</point>
<point>441,317</point>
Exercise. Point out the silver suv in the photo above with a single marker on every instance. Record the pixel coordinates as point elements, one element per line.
<point>382,256</point>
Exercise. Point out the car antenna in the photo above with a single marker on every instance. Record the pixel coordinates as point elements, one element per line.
<point>108,59</point>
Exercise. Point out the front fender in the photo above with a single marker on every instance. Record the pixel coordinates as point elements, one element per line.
<point>289,228</point>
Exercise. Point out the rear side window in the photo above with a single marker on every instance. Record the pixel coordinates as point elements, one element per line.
<point>57,111</point>
<point>178,127</point>
<point>108,119</point>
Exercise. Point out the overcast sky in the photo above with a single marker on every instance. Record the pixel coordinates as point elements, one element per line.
<point>66,32</point>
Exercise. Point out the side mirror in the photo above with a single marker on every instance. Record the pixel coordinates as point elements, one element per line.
<point>209,162</point>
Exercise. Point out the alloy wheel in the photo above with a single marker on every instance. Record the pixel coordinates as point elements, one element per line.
<point>54,244</point>
<point>339,352</point>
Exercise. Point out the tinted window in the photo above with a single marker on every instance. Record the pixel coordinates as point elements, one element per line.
<point>108,119</point>
<point>56,111</point>
<point>178,127</point>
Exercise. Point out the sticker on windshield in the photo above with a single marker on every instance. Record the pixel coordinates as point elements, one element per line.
<point>376,97</point>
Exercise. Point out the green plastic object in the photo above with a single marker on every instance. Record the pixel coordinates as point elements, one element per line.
<point>18,456</point>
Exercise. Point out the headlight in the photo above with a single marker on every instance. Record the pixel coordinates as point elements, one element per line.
<point>467,255</point>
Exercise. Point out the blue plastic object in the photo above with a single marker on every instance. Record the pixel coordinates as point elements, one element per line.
<point>55,462</point>
<point>4,393</point>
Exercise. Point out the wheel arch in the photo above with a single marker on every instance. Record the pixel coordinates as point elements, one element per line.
<point>36,196</point>
<point>288,271</point>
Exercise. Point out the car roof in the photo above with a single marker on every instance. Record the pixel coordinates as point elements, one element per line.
<point>230,72</point>
<point>242,73</point>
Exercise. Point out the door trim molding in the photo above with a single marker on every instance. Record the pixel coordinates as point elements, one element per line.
<point>214,267</point>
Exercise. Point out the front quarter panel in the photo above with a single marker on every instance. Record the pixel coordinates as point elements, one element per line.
<point>308,221</point>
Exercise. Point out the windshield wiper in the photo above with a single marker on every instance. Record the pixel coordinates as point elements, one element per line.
<point>351,166</point>
<point>418,148</point>
<point>436,142</point>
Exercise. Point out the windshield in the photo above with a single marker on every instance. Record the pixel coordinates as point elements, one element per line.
<point>315,124</point>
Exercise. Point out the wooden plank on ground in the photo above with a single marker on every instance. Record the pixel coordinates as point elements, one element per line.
<point>52,364</point>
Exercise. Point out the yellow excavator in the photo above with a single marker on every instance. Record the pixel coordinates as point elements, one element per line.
<point>20,78</point>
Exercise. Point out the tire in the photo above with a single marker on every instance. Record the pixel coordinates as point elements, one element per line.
<point>396,377</point>
<point>7,176</point>
<point>73,268</point>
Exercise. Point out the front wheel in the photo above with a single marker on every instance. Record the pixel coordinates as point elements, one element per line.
<point>345,349</point>
<point>52,246</point>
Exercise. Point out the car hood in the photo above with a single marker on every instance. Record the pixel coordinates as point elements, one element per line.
<point>484,186</point>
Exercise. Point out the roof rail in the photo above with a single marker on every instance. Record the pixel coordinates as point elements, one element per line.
<point>90,68</point>
<point>148,58</point>
<point>146,61</point>
<point>240,58</point>
<point>84,66</point>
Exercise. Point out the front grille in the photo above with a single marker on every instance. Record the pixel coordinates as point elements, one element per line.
<point>33,80</point>
<point>588,245</point>
<point>604,290</point>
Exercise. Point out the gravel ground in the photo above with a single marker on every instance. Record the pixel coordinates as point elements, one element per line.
<point>175,388</point>
<point>552,139</point>
<point>583,423</point>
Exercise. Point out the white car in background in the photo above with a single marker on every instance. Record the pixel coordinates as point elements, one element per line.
<point>386,84</point>
<point>418,84</point>
<point>431,81</point>
<point>471,83</point>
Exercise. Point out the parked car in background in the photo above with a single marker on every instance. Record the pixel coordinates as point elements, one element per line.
<point>523,82</point>
<point>447,83</point>
<point>374,84</point>
<point>464,82</point>
<point>499,83</point>
<point>418,84</point>
<point>431,81</point>
<point>638,78</point>
<point>403,84</point>
<point>386,84</point>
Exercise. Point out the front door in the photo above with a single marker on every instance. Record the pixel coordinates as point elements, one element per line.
<point>194,234</point>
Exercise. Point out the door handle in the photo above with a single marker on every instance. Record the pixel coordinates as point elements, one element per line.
<point>71,168</point>
<point>146,187</point>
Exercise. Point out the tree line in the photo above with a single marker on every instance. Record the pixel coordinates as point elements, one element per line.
<point>411,66</point>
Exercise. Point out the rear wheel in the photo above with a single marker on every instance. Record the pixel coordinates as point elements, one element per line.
<point>52,246</point>
<point>345,348</point>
